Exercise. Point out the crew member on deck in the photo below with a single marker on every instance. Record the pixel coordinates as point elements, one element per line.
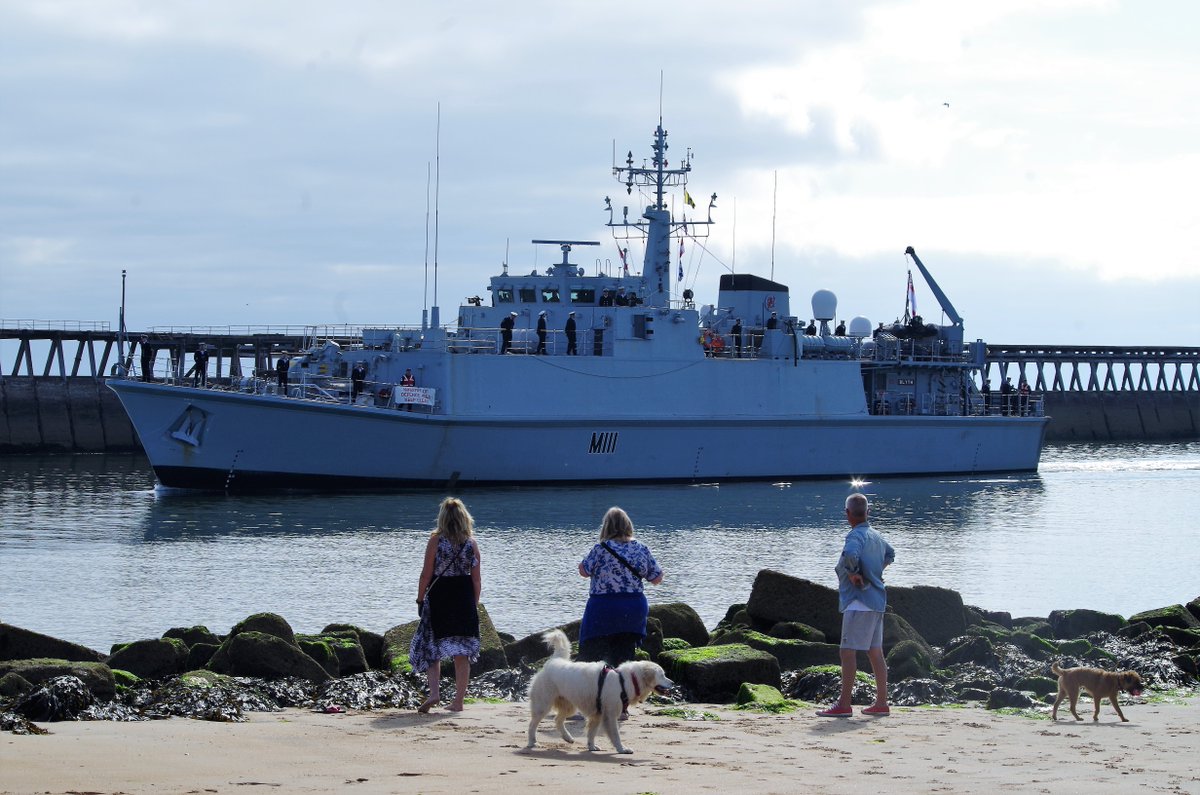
<point>408,380</point>
<point>281,372</point>
<point>200,363</point>
<point>358,374</point>
<point>773,321</point>
<point>736,332</point>
<point>147,359</point>
<point>541,332</point>
<point>506,328</point>
<point>811,328</point>
<point>840,331</point>
<point>570,332</point>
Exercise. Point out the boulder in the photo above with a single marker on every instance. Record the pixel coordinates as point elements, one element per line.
<point>776,597</point>
<point>1038,626</point>
<point>1007,698</point>
<point>153,658</point>
<point>1173,616</point>
<point>267,624</point>
<point>914,692</point>
<point>98,677</point>
<point>909,660</point>
<point>23,644</point>
<point>251,653</point>
<point>999,617</point>
<point>1135,629</point>
<point>1184,638</point>
<point>321,651</point>
<point>1037,647</point>
<point>193,635</point>
<point>12,684</point>
<point>1039,685</point>
<point>936,613</point>
<point>897,630</point>
<point>652,644</point>
<point>715,673</point>
<point>532,648</point>
<point>346,651</point>
<point>823,683</point>
<point>680,621</point>
<point>762,697</point>
<point>59,698</point>
<point>199,655</point>
<point>730,613</point>
<point>491,648</point>
<point>970,649</point>
<point>372,642</point>
<point>794,630</point>
<point>395,648</point>
<point>791,654</point>
<point>1076,647</point>
<point>1078,623</point>
<point>675,644</point>
<point>1193,607</point>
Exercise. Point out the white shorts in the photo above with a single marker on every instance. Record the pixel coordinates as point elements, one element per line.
<point>862,630</point>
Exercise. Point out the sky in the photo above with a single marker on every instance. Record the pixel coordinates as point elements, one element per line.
<point>291,162</point>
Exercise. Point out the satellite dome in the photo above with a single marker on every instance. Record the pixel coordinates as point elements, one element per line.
<point>860,327</point>
<point>824,305</point>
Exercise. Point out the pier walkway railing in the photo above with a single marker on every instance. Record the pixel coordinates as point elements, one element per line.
<point>1095,368</point>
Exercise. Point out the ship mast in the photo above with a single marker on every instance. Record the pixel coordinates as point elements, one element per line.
<point>656,224</point>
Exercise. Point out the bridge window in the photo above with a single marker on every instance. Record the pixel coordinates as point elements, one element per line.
<point>528,295</point>
<point>504,295</point>
<point>549,295</point>
<point>583,296</point>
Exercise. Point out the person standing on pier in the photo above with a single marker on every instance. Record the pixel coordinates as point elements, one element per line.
<point>570,332</point>
<point>614,621</point>
<point>862,600</point>
<point>448,603</point>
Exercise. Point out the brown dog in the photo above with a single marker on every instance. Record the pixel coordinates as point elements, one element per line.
<point>1101,685</point>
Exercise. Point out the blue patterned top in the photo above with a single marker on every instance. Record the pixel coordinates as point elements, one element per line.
<point>451,561</point>
<point>609,575</point>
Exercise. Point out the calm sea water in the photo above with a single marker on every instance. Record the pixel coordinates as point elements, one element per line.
<point>90,552</point>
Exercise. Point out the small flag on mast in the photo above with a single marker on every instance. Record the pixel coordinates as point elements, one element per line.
<point>681,258</point>
<point>687,199</point>
<point>624,262</point>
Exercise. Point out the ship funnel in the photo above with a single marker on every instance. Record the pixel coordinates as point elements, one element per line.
<point>824,305</point>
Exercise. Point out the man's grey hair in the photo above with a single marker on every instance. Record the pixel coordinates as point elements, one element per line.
<point>857,505</point>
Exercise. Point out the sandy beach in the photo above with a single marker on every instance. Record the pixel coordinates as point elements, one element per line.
<point>482,750</point>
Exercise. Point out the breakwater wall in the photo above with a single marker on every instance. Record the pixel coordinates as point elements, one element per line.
<point>81,415</point>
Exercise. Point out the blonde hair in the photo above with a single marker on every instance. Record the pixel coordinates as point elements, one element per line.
<point>454,521</point>
<point>616,525</point>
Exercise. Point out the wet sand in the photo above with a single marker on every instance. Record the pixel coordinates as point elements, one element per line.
<point>482,750</point>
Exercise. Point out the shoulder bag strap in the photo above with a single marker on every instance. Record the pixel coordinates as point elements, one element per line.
<point>624,562</point>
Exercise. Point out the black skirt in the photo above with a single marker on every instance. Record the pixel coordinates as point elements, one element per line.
<point>452,611</point>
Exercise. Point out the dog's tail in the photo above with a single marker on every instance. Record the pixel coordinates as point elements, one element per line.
<point>1055,669</point>
<point>556,639</point>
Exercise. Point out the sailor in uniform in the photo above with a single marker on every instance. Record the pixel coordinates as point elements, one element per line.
<point>736,332</point>
<point>200,365</point>
<point>773,321</point>
<point>357,376</point>
<point>541,332</point>
<point>281,372</point>
<point>570,332</point>
<point>506,329</point>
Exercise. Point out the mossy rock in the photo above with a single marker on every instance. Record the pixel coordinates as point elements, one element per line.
<point>125,678</point>
<point>791,654</point>
<point>777,597</point>
<point>763,698</point>
<point>1193,607</point>
<point>795,630</point>
<point>675,644</point>
<point>267,624</point>
<point>396,642</point>
<point>1077,647</point>
<point>193,635</point>
<point>973,616</point>
<point>896,629</point>
<point>152,658</point>
<point>970,649</point>
<point>1035,646</point>
<point>348,654</point>
<point>1184,638</point>
<point>909,660</point>
<point>321,651</point>
<point>371,642</point>
<point>679,620</point>
<point>203,678</point>
<point>491,649</point>
<point>1001,617</point>
<point>715,673</point>
<point>1035,626</point>
<point>1040,685</point>
<point>1007,698</point>
<point>23,644</point>
<point>199,655</point>
<point>993,632</point>
<point>731,617</point>
<point>250,653</point>
<point>96,676</point>
<point>1173,616</point>
<point>531,648</point>
<point>1078,623</point>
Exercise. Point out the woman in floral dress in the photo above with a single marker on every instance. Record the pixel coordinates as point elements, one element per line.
<point>614,621</point>
<point>448,593</point>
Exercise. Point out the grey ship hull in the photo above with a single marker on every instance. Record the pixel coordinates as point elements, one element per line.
<point>246,442</point>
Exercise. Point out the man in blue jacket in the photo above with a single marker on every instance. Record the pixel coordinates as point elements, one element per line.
<point>862,600</point>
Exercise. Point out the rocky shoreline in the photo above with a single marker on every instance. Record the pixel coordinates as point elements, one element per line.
<point>784,638</point>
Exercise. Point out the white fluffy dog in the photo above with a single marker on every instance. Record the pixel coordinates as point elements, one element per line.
<point>567,686</point>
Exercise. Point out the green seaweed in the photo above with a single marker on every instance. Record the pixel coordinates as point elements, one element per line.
<point>685,713</point>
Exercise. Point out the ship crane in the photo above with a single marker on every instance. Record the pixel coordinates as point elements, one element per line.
<point>947,307</point>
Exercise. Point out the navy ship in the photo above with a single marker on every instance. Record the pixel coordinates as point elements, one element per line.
<point>571,376</point>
